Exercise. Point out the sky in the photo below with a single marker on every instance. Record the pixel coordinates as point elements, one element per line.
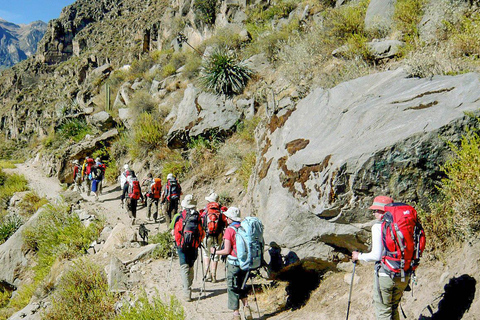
<point>26,11</point>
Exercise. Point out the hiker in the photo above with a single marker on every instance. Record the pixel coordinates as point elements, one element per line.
<point>170,195</point>
<point>96,175</point>
<point>388,287</point>
<point>214,222</point>
<point>133,190</point>
<point>235,275</point>
<point>77,176</point>
<point>188,233</point>
<point>124,175</point>
<point>154,188</point>
<point>102,167</point>
<point>86,167</point>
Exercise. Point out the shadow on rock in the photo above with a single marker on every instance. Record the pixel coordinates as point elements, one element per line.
<point>456,300</point>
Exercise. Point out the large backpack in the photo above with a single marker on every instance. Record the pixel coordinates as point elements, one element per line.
<point>134,189</point>
<point>156,188</point>
<point>190,232</point>
<point>97,172</point>
<point>249,243</point>
<point>90,163</point>
<point>403,239</point>
<point>174,190</point>
<point>212,219</point>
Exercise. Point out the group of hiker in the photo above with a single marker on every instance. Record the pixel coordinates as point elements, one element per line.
<point>89,176</point>
<point>398,239</point>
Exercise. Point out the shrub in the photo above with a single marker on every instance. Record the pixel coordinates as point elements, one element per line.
<point>82,294</point>
<point>11,304</point>
<point>341,23</point>
<point>246,129</point>
<point>58,234</point>
<point>464,35</point>
<point>165,248</point>
<point>8,226</point>
<point>407,16</point>
<point>9,184</point>
<point>222,74</point>
<point>247,167</point>
<point>177,167</point>
<point>30,203</point>
<point>148,133</point>
<point>206,11</point>
<point>75,129</point>
<point>456,216</point>
<point>157,309</point>
<point>142,102</point>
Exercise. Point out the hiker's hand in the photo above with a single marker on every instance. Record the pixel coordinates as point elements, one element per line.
<point>355,255</point>
<point>212,250</point>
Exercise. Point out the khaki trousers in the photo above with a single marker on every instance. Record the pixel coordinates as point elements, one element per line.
<point>392,292</point>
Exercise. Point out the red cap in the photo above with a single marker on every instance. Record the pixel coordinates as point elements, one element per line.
<point>380,202</point>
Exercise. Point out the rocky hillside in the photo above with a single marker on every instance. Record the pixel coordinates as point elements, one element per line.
<point>18,42</point>
<point>299,113</point>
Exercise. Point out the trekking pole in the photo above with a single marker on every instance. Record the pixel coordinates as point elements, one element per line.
<point>202,290</point>
<point>255,295</point>
<point>351,287</point>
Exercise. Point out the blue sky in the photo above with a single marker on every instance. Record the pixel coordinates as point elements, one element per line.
<point>26,11</point>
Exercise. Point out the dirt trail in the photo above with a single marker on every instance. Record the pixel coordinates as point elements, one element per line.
<point>152,275</point>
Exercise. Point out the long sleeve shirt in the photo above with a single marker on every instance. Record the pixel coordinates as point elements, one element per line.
<point>377,246</point>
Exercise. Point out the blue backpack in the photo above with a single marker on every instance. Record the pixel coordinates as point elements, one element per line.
<point>250,244</point>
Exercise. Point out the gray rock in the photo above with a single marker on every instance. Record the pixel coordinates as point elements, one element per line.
<point>202,114</point>
<point>102,120</point>
<point>259,63</point>
<point>116,275</point>
<point>155,87</point>
<point>125,117</point>
<point>248,107</point>
<point>380,134</point>
<point>379,14</point>
<point>383,49</point>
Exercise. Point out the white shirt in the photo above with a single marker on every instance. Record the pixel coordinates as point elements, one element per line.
<point>377,245</point>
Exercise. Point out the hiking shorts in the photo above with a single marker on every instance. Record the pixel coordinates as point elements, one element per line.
<point>95,185</point>
<point>210,242</point>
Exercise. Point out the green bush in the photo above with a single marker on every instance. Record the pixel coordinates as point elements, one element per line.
<point>83,293</point>
<point>456,217</point>
<point>30,203</point>
<point>58,234</point>
<point>165,248</point>
<point>8,226</point>
<point>341,23</point>
<point>75,129</point>
<point>464,35</point>
<point>156,309</point>
<point>247,168</point>
<point>206,11</point>
<point>20,300</point>
<point>222,74</point>
<point>148,134</point>
<point>142,102</point>
<point>246,129</point>
<point>261,15</point>
<point>407,16</point>
<point>177,167</point>
<point>9,184</point>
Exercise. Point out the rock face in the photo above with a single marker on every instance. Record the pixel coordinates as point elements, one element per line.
<point>380,134</point>
<point>18,42</point>
<point>379,14</point>
<point>203,114</point>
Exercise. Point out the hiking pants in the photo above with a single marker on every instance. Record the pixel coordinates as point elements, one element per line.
<point>172,208</point>
<point>187,261</point>
<point>131,207</point>
<point>391,291</point>
<point>212,241</point>
<point>235,278</point>
<point>152,202</point>
<point>88,185</point>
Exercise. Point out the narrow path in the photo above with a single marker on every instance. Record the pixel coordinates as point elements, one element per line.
<point>155,276</point>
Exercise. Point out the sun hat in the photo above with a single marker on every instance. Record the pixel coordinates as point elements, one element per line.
<point>170,176</point>
<point>97,160</point>
<point>213,197</point>
<point>126,167</point>
<point>75,161</point>
<point>380,202</point>
<point>189,202</point>
<point>233,213</point>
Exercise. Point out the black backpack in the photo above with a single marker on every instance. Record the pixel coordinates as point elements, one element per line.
<point>97,172</point>
<point>190,230</point>
<point>174,190</point>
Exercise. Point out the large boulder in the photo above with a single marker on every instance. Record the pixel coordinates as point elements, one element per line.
<point>379,15</point>
<point>380,134</point>
<point>203,114</point>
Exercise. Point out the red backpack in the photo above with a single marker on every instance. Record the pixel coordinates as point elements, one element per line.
<point>403,239</point>
<point>90,163</point>
<point>156,188</point>
<point>188,233</point>
<point>212,220</point>
<point>134,189</point>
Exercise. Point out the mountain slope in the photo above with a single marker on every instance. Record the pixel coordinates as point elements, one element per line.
<point>18,42</point>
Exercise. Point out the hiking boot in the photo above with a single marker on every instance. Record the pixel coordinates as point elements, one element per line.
<point>236,316</point>
<point>133,221</point>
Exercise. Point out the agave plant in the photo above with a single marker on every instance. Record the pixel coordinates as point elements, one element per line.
<point>222,74</point>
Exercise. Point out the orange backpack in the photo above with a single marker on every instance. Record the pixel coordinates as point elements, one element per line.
<point>156,188</point>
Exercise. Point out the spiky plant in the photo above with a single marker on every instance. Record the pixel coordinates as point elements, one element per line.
<point>222,74</point>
